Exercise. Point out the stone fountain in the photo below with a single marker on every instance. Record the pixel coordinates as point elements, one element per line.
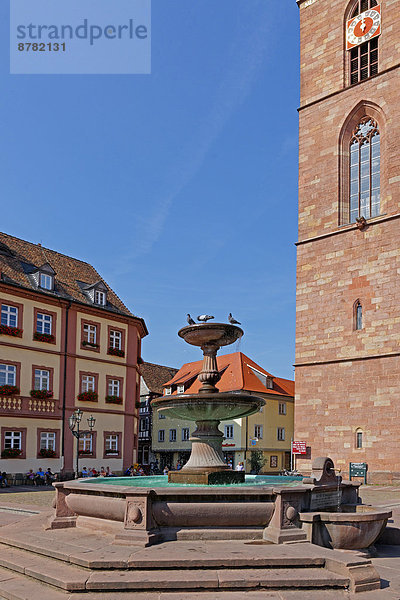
<point>208,408</point>
<point>197,504</point>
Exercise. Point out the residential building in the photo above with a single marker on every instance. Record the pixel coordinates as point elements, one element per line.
<point>348,253</point>
<point>269,430</point>
<point>66,342</point>
<point>151,386</point>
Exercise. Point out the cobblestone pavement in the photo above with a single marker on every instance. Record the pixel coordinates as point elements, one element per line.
<point>23,496</point>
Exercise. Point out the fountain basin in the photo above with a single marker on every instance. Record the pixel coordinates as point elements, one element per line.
<point>262,508</point>
<point>202,334</point>
<point>221,406</point>
<point>353,527</point>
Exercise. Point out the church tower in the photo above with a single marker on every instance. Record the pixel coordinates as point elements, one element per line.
<point>348,249</point>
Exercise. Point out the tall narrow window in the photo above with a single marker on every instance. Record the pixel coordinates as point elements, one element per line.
<point>365,170</point>
<point>358,315</point>
<point>229,432</point>
<point>359,439</point>
<point>364,56</point>
<point>281,433</point>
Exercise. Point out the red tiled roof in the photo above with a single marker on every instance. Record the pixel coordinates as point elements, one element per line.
<point>237,375</point>
<point>155,375</point>
<point>19,259</point>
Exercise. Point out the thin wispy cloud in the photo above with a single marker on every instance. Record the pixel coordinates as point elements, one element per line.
<point>245,58</point>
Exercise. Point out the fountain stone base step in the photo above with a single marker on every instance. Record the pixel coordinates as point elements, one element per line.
<point>206,477</point>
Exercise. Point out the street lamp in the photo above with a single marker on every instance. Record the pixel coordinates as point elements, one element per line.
<point>74,421</point>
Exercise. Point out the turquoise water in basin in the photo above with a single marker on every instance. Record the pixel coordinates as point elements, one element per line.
<point>159,481</point>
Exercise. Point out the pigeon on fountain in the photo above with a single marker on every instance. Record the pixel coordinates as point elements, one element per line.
<point>232,321</point>
<point>204,318</point>
<point>190,320</point>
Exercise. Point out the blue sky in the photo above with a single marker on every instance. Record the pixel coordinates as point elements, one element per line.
<point>180,187</point>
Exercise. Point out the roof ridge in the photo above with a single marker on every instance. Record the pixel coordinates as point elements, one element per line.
<point>48,249</point>
<point>158,365</point>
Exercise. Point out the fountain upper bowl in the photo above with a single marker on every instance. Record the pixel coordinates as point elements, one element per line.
<point>220,334</point>
<point>221,406</point>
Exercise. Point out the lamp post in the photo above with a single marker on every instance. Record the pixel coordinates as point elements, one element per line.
<point>74,422</point>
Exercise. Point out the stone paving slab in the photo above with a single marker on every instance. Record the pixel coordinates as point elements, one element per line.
<point>19,588</point>
<point>114,580</point>
<point>111,556</point>
<point>243,595</point>
<point>61,575</point>
<point>281,578</point>
<point>118,596</point>
<point>15,560</point>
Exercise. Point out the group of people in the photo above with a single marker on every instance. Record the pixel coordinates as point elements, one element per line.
<point>104,472</point>
<point>41,477</point>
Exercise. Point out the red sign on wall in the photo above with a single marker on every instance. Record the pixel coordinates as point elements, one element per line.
<point>299,447</point>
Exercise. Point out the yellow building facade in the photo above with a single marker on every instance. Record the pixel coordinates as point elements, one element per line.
<point>66,342</point>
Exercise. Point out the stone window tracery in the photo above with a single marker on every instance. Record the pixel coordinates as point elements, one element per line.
<point>364,170</point>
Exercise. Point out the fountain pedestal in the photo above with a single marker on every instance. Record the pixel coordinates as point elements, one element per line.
<point>206,463</point>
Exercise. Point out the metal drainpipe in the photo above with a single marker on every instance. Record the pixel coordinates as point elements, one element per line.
<point>64,385</point>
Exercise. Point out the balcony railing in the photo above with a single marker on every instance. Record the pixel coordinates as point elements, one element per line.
<point>27,406</point>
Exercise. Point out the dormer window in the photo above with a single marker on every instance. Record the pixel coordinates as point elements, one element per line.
<point>44,277</point>
<point>180,389</point>
<point>46,281</point>
<point>100,298</point>
<point>168,391</point>
<point>95,292</point>
<point>266,380</point>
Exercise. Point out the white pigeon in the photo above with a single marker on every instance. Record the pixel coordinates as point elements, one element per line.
<point>204,318</point>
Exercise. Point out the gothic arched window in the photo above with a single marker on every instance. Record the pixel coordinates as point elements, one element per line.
<point>365,170</point>
<point>363,58</point>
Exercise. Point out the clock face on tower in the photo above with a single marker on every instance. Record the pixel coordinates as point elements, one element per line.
<point>363,27</point>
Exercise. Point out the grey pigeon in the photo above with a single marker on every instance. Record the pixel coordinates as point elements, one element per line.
<point>232,321</point>
<point>190,320</point>
<point>204,318</point>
